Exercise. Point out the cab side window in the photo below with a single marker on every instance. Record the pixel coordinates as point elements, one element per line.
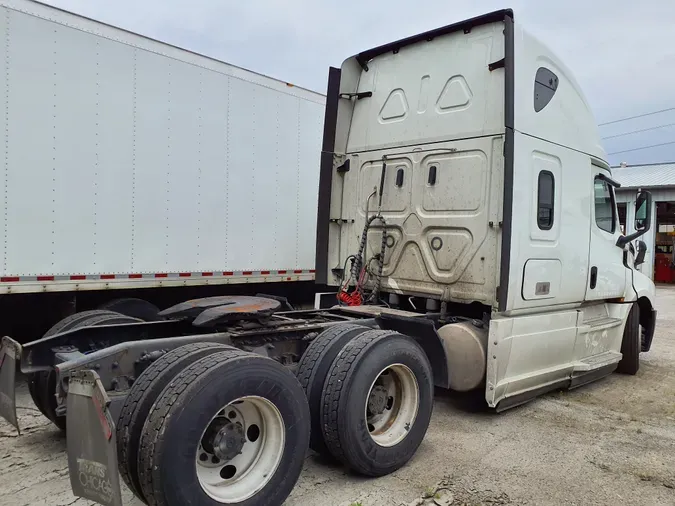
<point>545,200</point>
<point>604,206</point>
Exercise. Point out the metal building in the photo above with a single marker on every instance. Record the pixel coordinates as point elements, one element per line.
<point>659,179</point>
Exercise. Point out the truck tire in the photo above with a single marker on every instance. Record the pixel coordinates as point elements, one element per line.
<point>143,394</point>
<point>232,428</point>
<point>313,369</point>
<point>631,343</point>
<point>136,308</point>
<point>45,381</point>
<point>61,326</point>
<point>377,402</point>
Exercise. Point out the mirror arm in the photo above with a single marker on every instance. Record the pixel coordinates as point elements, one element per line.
<point>625,239</point>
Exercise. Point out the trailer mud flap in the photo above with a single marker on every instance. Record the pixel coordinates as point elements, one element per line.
<point>10,352</point>
<point>92,455</point>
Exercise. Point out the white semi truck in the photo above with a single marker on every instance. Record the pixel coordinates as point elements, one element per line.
<point>135,169</point>
<point>467,217</point>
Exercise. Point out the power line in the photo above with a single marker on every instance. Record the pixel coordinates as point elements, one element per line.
<point>637,116</point>
<point>638,131</point>
<point>643,147</point>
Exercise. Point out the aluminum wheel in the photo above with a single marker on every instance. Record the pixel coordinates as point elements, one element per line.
<point>240,450</point>
<point>392,405</point>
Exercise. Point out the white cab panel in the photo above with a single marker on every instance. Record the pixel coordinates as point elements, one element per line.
<point>568,119</point>
<point>433,91</point>
<point>529,352</point>
<point>562,242</point>
<point>439,235</point>
<point>607,272</point>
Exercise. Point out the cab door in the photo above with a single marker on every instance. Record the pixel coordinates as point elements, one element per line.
<point>606,273</point>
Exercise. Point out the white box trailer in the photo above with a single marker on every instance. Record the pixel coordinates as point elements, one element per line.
<point>130,163</point>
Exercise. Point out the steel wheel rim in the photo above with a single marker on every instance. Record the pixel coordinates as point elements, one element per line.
<point>236,478</point>
<point>388,425</point>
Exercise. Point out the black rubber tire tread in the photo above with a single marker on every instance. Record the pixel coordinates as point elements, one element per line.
<point>631,343</point>
<point>338,431</point>
<point>134,307</point>
<point>33,391</point>
<point>313,369</point>
<point>160,452</point>
<point>138,403</point>
<point>69,322</point>
<point>46,382</point>
<point>156,418</point>
<point>35,379</point>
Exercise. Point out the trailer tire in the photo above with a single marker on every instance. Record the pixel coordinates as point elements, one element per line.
<point>631,343</point>
<point>138,403</point>
<point>46,380</point>
<point>222,388</point>
<point>36,379</point>
<point>377,402</point>
<point>313,370</point>
<point>134,307</point>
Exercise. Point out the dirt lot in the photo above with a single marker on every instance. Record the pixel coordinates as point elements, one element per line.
<point>612,442</point>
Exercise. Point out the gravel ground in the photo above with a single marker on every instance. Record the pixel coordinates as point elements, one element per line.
<point>612,442</point>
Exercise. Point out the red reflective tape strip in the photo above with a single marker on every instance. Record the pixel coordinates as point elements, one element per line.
<point>83,277</point>
<point>107,430</point>
<point>288,279</point>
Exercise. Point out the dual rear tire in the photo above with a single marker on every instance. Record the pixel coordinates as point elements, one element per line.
<point>209,424</point>
<point>375,400</point>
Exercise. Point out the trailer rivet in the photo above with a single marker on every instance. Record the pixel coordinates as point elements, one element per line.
<point>115,365</point>
<point>97,367</point>
<point>492,388</point>
<point>495,343</point>
<point>494,356</point>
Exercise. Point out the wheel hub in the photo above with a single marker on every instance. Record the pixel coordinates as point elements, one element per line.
<point>229,441</point>
<point>377,402</point>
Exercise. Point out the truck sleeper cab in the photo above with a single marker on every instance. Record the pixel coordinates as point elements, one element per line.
<point>477,150</point>
<point>463,185</point>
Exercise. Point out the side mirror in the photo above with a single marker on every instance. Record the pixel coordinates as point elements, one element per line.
<point>643,218</point>
<point>641,252</point>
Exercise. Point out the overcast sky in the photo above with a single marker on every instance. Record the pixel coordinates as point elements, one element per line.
<point>621,51</point>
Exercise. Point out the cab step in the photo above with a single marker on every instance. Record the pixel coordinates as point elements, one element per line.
<point>597,361</point>
<point>602,323</point>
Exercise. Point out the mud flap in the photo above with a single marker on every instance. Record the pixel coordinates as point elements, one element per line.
<point>10,352</point>
<point>92,455</point>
